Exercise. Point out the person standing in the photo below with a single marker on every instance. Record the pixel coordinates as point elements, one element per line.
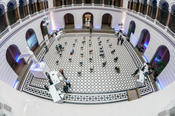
<point>62,72</point>
<point>118,40</point>
<point>122,40</point>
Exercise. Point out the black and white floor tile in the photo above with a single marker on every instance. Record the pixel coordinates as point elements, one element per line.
<point>104,84</point>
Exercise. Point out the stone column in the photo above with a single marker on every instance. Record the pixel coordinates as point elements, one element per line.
<point>36,8</point>
<point>28,9</point>
<point>103,2</point>
<point>112,2</point>
<point>41,5</point>
<point>158,13</point>
<point>6,19</point>
<point>139,7</point>
<point>18,13</point>
<point>147,9</point>
<point>134,6</point>
<point>121,3</point>
<point>63,3</point>
<point>169,19</point>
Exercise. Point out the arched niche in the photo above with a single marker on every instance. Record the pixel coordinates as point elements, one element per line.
<point>143,40</point>
<point>160,60</point>
<point>32,40</point>
<point>131,28</point>
<point>87,19</point>
<point>12,57</point>
<point>69,20</point>
<point>106,20</point>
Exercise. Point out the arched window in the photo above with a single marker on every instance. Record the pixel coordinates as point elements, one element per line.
<point>3,23</point>
<point>163,12</point>
<point>58,3</point>
<point>131,4</point>
<point>32,7</point>
<point>22,8</point>
<point>160,60</point>
<point>77,1</point>
<point>131,28</point>
<point>69,20</point>
<point>87,19</point>
<point>97,1</point>
<point>39,5</point>
<point>31,39</point>
<point>172,19</point>
<point>152,9</point>
<point>143,6</point>
<point>108,2</point>
<point>12,56</point>
<point>12,12</point>
<point>137,6</point>
<point>67,2</point>
<point>106,21</point>
<point>117,3</point>
<point>87,1</point>
<point>143,40</point>
<point>44,30</point>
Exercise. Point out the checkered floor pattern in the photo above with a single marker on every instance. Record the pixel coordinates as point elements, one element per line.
<point>103,81</point>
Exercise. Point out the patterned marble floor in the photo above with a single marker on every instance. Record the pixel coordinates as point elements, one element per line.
<point>104,85</point>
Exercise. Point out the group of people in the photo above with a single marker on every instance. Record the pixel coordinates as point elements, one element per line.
<point>66,85</point>
<point>147,73</point>
<point>59,48</point>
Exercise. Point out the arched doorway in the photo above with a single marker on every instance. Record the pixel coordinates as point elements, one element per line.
<point>106,21</point>
<point>77,1</point>
<point>160,60</point>
<point>12,12</point>
<point>58,3</point>
<point>172,19</point>
<point>31,40</point>
<point>67,2</point>
<point>143,40</point>
<point>44,30</point>
<point>87,1</point>
<point>32,7</point>
<point>87,20</point>
<point>97,1</point>
<point>69,20</point>
<point>143,6</point>
<point>131,28</point>
<point>152,8</point>
<point>23,8</point>
<point>107,2</point>
<point>117,3</point>
<point>163,12</point>
<point>3,23</point>
<point>12,55</point>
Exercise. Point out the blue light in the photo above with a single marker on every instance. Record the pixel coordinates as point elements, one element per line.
<point>157,59</point>
<point>145,45</point>
<point>145,58</point>
<point>159,86</point>
<point>17,59</point>
<point>117,28</point>
<point>97,27</point>
<point>15,84</point>
<point>78,27</point>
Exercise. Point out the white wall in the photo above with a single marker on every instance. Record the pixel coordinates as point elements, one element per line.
<point>78,12</point>
<point>18,38</point>
<point>156,40</point>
